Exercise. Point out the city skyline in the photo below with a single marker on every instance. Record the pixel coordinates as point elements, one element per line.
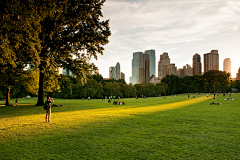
<point>181,28</point>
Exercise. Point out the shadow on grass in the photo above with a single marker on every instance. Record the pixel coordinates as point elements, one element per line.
<point>27,106</point>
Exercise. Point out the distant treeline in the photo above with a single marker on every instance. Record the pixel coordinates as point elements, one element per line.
<point>96,87</point>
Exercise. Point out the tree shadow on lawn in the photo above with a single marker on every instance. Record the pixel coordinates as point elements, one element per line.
<point>77,105</point>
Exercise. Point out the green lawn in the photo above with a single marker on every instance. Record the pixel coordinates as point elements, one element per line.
<point>152,128</point>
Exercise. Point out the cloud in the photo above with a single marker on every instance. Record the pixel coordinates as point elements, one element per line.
<point>170,21</point>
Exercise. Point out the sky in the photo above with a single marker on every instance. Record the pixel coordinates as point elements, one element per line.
<point>179,27</point>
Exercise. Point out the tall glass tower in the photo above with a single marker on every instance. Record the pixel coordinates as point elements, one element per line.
<point>135,68</point>
<point>152,60</point>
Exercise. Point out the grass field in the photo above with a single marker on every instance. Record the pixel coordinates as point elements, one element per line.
<point>152,128</point>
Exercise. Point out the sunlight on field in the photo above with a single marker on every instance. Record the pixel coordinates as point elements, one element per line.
<point>16,126</point>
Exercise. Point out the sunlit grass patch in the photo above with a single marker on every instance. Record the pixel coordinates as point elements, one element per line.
<point>33,123</point>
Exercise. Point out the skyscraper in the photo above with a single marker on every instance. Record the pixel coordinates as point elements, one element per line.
<point>211,61</point>
<point>197,65</point>
<point>144,68</point>
<point>135,68</point>
<point>114,72</point>
<point>152,61</point>
<point>118,71</point>
<point>227,65</point>
<point>164,66</point>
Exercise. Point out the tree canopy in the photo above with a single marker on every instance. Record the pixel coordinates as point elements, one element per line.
<point>52,34</point>
<point>19,43</point>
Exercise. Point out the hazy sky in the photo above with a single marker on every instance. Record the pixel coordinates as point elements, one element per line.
<point>179,27</point>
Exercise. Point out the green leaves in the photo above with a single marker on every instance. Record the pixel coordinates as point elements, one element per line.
<point>52,34</point>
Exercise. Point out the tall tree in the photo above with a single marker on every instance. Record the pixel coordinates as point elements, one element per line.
<point>71,35</point>
<point>217,80</point>
<point>236,84</point>
<point>173,82</point>
<point>112,89</point>
<point>160,88</point>
<point>92,89</point>
<point>19,44</point>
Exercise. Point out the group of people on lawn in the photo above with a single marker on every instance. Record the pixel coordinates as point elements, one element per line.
<point>119,103</point>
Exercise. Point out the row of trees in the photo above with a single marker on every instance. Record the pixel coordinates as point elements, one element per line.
<point>211,81</point>
<point>60,86</point>
<point>96,87</point>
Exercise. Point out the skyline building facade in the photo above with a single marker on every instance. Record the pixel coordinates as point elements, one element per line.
<point>187,70</point>
<point>122,76</point>
<point>197,65</point>
<point>118,71</point>
<point>114,72</point>
<point>135,68</point>
<point>144,68</point>
<point>211,61</point>
<point>164,66</point>
<point>180,72</point>
<point>227,65</point>
<point>152,61</point>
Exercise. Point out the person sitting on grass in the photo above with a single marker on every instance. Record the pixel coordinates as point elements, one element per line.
<point>213,103</point>
<point>123,103</point>
<point>229,99</point>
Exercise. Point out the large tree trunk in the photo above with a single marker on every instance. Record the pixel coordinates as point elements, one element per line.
<point>8,90</point>
<point>40,90</point>
<point>8,96</point>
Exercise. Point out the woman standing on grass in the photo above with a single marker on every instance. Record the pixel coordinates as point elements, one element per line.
<point>48,110</point>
